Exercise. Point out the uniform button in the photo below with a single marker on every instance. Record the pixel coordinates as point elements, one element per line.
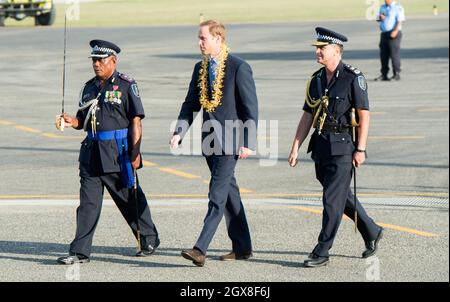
<point>342,139</point>
<point>98,123</point>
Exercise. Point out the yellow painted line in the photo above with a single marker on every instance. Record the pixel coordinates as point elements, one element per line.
<point>395,137</point>
<point>179,173</point>
<point>52,135</point>
<point>147,163</point>
<point>407,230</point>
<point>434,109</point>
<point>27,129</point>
<point>309,210</point>
<point>385,225</point>
<point>6,123</point>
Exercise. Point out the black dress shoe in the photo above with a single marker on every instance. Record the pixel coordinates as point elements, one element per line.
<point>148,250</point>
<point>316,261</point>
<point>195,255</point>
<point>72,259</point>
<point>382,78</point>
<point>372,246</point>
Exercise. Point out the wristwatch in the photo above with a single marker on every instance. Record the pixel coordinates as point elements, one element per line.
<point>361,151</point>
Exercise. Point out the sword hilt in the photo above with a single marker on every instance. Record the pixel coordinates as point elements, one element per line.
<point>60,123</point>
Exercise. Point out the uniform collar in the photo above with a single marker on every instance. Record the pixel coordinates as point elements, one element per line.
<point>340,70</point>
<point>112,80</point>
<point>338,73</point>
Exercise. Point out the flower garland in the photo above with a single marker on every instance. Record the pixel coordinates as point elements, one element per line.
<point>211,105</point>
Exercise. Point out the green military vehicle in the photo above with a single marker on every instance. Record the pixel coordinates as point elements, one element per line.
<point>43,11</point>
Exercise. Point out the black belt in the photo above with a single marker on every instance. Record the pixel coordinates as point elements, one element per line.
<point>335,128</point>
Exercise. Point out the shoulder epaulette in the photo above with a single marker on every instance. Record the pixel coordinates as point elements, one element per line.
<point>352,69</point>
<point>126,77</point>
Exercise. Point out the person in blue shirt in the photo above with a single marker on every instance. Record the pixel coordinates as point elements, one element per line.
<point>390,18</point>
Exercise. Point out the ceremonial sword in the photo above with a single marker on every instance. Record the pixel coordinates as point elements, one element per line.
<point>61,119</point>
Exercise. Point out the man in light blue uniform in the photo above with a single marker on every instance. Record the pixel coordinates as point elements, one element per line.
<point>390,18</point>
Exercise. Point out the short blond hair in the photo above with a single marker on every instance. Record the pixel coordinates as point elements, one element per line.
<point>215,28</point>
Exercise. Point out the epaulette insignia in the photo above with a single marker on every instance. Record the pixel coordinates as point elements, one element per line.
<point>352,69</point>
<point>126,77</point>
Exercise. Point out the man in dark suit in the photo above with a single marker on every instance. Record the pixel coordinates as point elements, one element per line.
<point>223,85</point>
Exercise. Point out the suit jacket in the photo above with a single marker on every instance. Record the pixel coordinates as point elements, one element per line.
<point>234,123</point>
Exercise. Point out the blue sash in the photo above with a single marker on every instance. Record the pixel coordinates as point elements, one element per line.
<point>126,170</point>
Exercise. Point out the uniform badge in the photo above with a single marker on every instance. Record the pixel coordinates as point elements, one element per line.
<point>135,90</point>
<point>362,82</point>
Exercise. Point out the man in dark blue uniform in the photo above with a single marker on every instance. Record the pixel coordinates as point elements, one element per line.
<point>331,94</point>
<point>223,86</point>
<point>110,111</point>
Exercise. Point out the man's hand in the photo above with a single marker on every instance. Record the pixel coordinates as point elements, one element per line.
<point>68,120</point>
<point>358,159</point>
<point>175,141</point>
<point>394,34</point>
<point>244,152</point>
<point>293,158</point>
<point>135,159</point>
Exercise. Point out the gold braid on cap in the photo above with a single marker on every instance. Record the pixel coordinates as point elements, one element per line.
<point>211,105</point>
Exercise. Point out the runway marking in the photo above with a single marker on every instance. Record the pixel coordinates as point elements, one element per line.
<point>407,230</point>
<point>51,135</point>
<point>6,123</point>
<point>179,173</point>
<point>396,137</point>
<point>385,225</point>
<point>27,129</point>
<point>147,163</point>
<point>256,195</point>
<point>433,109</point>
<point>37,131</point>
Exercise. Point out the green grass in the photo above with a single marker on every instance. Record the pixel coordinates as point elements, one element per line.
<point>167,12</point>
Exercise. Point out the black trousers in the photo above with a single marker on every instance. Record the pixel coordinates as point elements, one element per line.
<point>335,175</point>
<point>225,199</point>
<point>390,50</point>
<point>88,213</point>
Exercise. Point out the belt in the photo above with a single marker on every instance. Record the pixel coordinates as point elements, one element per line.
<point>121,137</point>
<point>335,128</point>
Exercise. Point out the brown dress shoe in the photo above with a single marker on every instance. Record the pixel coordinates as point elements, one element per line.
<point>235,256</point>
<point>195,255</point>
